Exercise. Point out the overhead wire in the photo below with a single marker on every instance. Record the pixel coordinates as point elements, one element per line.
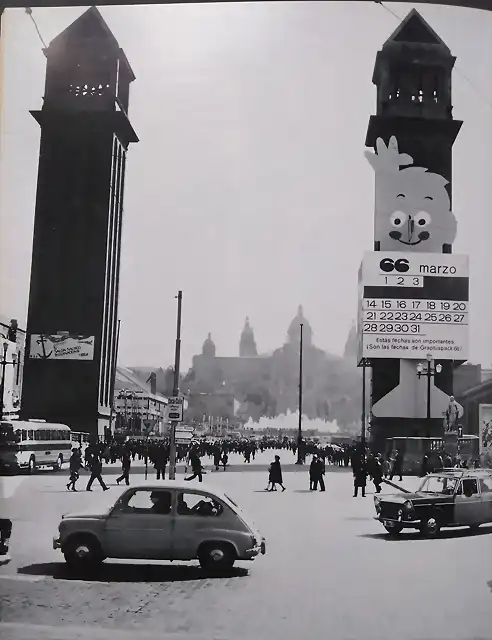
<point>457,70</point>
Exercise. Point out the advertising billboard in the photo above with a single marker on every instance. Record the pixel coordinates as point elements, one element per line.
<point>61,347</point>
<point>414,304</point>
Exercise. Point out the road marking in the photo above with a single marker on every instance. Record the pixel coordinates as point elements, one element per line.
<point>22,631</point>
<point>9,485</point>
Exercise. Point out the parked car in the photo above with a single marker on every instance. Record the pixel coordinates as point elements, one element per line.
<point>5,533</point>
<point>165,521</point>
<point>449,498</point>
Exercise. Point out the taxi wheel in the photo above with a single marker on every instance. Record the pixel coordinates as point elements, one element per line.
<point>216,555</point>
<point>431,526</point>
<point>394,530</point>
<point>83,552</point>
<point>59,463</point>
<point>32,465</point>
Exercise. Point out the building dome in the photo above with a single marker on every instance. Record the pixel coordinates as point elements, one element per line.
<point>208,348</point>
<point>294,331</point>
<point>247,344</point>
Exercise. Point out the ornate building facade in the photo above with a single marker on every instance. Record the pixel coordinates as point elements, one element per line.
<point>254,385</point>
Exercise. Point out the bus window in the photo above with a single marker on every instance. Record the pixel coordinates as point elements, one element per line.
<point>24,435</point>
<point>37,435</point>
<point>30,434</point>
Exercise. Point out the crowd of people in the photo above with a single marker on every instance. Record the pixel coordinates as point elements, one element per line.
<point>365,466</point>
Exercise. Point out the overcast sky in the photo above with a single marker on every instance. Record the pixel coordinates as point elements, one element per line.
<point>249,189</point>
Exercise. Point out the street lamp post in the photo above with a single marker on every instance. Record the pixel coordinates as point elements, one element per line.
<point>299,433</point>
<point>177,357</point>
<point>429,371</point>
<point>363,425</point>
<point>4,363</point>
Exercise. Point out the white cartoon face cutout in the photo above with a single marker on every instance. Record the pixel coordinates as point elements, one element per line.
<point>413,209</point>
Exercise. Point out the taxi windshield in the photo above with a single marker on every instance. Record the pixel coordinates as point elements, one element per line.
<point>438,484</point>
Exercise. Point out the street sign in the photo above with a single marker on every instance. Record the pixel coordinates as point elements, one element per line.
<point>175,409</point>
<point>412,305</point>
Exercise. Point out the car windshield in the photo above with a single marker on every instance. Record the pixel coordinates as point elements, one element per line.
<point>438,484</point>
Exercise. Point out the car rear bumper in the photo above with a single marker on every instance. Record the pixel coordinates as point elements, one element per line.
<point>255,551</point>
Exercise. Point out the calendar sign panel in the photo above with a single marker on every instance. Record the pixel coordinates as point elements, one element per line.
<point>411,305</point>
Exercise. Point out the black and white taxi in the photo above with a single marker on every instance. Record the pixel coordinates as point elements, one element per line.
<point>448,498</point>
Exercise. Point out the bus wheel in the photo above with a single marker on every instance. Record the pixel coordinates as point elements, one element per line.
<point>32,465</point>
<point>59,463</point>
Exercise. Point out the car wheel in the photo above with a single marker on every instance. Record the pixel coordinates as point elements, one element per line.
<point>216,555</point>
<point>32,465</point>
<point>59,463</point>
<point>431,526</point>
<point>83,552</point>
<point>393,529</point>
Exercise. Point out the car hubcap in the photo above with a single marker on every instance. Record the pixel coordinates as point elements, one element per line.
<point>217,555</point>
<point>82,551</point>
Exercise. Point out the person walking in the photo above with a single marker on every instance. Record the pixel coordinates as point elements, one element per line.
<point>225,460</point>
<point>275,476</point>
<point>196,467</point>
<point>95,466</point>
<point>397,468</point>
<point>161,459</point>
<point>375,467</point>
<point>312,472</point>
<point>126,463</point>
<point>359,469</point>
<point>75,465</point>
<point>319,472</point>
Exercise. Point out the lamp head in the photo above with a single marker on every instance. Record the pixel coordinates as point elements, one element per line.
<point>420,368</point>
<point>438,368</point>
<point>429,357</point>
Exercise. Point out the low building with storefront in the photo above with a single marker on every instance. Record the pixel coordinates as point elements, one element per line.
<point>138,408</point>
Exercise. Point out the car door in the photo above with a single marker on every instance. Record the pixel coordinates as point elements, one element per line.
<point>196,520</point>
<point>139,528</point>
<point>468,506</point>
<point>485,484</point>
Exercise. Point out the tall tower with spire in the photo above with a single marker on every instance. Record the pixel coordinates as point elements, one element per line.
<point>73,298</point>
<point>247,344</point>
<point>414,126</point>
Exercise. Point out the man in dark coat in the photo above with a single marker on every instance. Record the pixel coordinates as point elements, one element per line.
<point>126,463</point>
<point>359,469</point>
<point>95,466</point>
<point>275,474</point>
<point>319,472</point>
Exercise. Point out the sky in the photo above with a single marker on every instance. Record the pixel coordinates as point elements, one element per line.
<point>249,189</point>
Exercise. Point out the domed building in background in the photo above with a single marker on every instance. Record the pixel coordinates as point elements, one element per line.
<point>252,385</point>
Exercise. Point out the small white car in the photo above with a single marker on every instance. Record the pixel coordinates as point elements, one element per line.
<point>166,521</point>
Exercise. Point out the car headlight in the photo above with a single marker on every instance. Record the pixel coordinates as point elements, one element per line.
<point>408,505</point>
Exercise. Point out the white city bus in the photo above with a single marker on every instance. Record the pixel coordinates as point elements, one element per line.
<point>41,444</point>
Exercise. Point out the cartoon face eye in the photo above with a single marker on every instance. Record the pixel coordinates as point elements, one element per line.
<point>398,219</point>
<point>422,219</point>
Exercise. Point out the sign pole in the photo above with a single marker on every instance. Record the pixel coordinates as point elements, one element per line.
<point>177,357</point>
<point>300,452</point>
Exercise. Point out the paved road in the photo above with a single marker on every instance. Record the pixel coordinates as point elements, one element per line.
<point>329,572</point>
